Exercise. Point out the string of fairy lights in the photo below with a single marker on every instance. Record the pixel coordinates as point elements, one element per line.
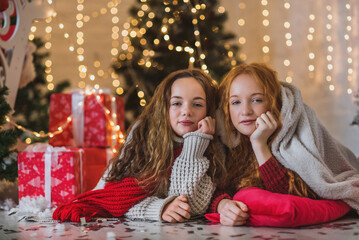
<point>266,36</point>
<point>349,49</point>
<point>313,52</point>
<point>288,42</point>
<point>330,47</point>
<point>131,31</point>
<point>79,50</point>
<point>92,73</point>
<point>310,38</point>
<point>241,23</point>
<point>111,117</point>
<point>76,46</point>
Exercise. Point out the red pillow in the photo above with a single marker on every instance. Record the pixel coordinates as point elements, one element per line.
<point>283,210</point>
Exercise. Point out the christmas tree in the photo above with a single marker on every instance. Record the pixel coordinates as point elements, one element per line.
<point>33,100</point>
<point>8,138</point>
<point>164,36</point>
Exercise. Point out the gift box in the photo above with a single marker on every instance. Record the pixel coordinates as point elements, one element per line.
<point>60,174</point>
<point>86,120</point>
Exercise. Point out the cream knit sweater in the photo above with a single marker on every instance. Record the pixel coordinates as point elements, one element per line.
<point>188,176</point>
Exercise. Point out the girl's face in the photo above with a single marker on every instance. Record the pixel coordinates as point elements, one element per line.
<point>246,103</point>
<point>187,105</point>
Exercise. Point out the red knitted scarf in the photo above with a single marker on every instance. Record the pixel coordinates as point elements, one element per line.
<point>112,201</point>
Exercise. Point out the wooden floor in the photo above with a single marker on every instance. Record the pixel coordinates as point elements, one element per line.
<point>17,227</point>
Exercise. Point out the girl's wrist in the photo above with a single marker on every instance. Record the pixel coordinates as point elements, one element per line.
<point>259,146</point>
<point>262,152</point>
<point>220,204</point>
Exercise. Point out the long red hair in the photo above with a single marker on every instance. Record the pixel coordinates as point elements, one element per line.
<point>241,159</point>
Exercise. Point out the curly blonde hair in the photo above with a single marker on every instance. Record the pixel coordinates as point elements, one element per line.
<point>146,157</point>
<point>242,158</point>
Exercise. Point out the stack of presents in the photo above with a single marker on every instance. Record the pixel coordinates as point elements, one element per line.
<point>87,132</point>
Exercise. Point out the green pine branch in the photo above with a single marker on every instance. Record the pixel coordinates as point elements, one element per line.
<point>8,138</point>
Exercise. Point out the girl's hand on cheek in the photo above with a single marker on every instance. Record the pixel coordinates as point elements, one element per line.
<point>207,125</point>
<point>265,127</point>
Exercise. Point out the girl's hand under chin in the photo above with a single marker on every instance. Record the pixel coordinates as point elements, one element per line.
<point>207,125</point>
<point>266,124</point>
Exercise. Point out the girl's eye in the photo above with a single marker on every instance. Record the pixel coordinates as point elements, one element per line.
<point>198,104</point>
<point>176,104</point>
<point>235,102</point>
<point>257,100</point>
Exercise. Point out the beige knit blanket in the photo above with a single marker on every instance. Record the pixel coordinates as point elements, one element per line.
<point>306,147</point>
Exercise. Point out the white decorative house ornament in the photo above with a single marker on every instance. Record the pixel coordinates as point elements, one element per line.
<point>15,25</point>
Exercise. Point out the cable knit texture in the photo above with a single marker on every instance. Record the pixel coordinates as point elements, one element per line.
<point>188,177</point>
<point>149,209</point>
<point>275,177</point>
<point>189,173</point>
<point>112,201</point>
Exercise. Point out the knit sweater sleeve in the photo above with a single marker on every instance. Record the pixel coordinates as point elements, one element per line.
<point>218,196</point>
<point>189,173</point>
<point>275,176</point>
<point>149,209</point>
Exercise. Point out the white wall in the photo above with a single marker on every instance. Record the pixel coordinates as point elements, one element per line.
<point>335,108</point>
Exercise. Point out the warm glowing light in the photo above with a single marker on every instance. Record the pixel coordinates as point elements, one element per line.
<point>140,94</point>
<point>241,22</point>
<point>242,40</point>
<point>119,91</point>
<point>221,9</point>
<point>265,22</point>
<point>143,102</point>
<point>265,49</point>
<point>49,78</point>
<point>50,86</point>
